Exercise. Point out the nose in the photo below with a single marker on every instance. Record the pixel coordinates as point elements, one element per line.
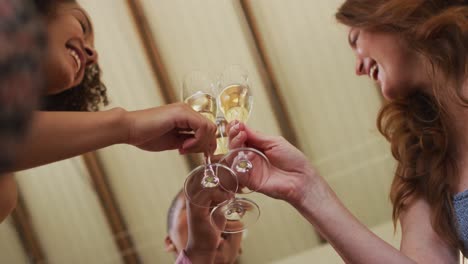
<point>360,67</point>
<point>91,55</point>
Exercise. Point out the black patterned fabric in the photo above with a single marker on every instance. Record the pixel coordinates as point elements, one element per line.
<point>22,46</point>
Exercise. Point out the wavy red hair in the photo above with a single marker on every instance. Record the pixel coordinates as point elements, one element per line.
<point>419,127</point>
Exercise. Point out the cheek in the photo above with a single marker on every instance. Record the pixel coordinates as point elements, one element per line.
<point>60,73</point>
<point>59,64</point>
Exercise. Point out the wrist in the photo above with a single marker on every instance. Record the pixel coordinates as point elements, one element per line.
<point>313,193</point>
<point>120,125</point>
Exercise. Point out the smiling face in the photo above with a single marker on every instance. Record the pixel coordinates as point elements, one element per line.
<point>387,60</point>
<point>71,47</point>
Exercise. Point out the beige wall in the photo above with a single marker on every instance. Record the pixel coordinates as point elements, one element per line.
<point>333,113</point>
<point>11,250</point>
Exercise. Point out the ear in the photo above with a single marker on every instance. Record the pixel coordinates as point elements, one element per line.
<point>170,247</point>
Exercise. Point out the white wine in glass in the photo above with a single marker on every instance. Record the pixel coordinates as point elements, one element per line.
<point>203,103</point>
<point>235,102</point>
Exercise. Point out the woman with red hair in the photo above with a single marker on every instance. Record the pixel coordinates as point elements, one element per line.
<point>416,51</point>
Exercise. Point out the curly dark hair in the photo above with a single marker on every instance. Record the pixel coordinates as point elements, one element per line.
<point>89,94</point>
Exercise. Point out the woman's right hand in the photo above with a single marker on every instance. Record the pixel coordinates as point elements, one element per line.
<point>173,126</point>
<point>290,173</point>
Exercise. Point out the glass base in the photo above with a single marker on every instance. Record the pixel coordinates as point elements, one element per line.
<point>210,185</point>
<point>235,216</point>
<point>252,168</point>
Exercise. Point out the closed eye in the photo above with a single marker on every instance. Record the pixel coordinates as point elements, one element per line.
<point>353,37</point>
<point>83,26</point>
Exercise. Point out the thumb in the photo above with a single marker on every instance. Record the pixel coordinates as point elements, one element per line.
<point>258,140</point>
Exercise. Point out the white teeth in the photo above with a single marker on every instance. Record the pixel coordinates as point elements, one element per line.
<point>77,59</point>
<point>372,72</point>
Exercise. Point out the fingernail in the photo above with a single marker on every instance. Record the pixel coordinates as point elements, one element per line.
<point>239,136</point>
<point>236,127</point>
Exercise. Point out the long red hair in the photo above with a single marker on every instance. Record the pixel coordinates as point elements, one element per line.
<point>419,127</point>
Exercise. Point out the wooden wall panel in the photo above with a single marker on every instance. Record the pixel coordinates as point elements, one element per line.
<point>332,114</point>
<point>211,35</point>
<point>66,214</point>
<point>143,182</point>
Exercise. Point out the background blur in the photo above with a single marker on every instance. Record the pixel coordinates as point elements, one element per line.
<point>110,206</point>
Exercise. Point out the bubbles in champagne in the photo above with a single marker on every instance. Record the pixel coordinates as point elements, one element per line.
<point>235,102</point>
<point>237,113</point>
<point>203,103</point>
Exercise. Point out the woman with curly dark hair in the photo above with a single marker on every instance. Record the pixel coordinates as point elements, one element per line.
<point>82,90</point>
<point>73,85</point>
<point>73,92</point>
<point>417,53</point>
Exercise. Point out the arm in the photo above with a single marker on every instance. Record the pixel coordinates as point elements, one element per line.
<point>203,239</point>
<point>56,136</point>
<point>357,244</point>
<point>293,179</point>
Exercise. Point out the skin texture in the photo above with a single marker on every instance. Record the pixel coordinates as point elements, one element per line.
<point>193,232</point>
<point>170,127</point>
<point>400,71</point>
<point>69,28</point>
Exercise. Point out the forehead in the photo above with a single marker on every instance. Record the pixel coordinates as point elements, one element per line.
<point>76,10</point>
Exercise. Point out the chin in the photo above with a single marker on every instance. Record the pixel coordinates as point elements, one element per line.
<point>58,89</point>
<point>387,92</point>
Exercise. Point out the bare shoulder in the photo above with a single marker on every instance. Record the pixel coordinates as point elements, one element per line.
<point>419,240</point>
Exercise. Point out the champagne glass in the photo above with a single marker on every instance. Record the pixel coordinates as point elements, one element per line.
<point>210,185</point>
<point>235,215</point>
<point>205,181</point>
<point>235,100</point>
<point>251,167</point>
<point>240,213</point>
<point>198,91</point>
<point>235,97</point>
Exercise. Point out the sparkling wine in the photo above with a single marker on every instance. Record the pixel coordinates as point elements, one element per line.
<point>221,136</point>
<point>236,102</point>
<point>203,103</point>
